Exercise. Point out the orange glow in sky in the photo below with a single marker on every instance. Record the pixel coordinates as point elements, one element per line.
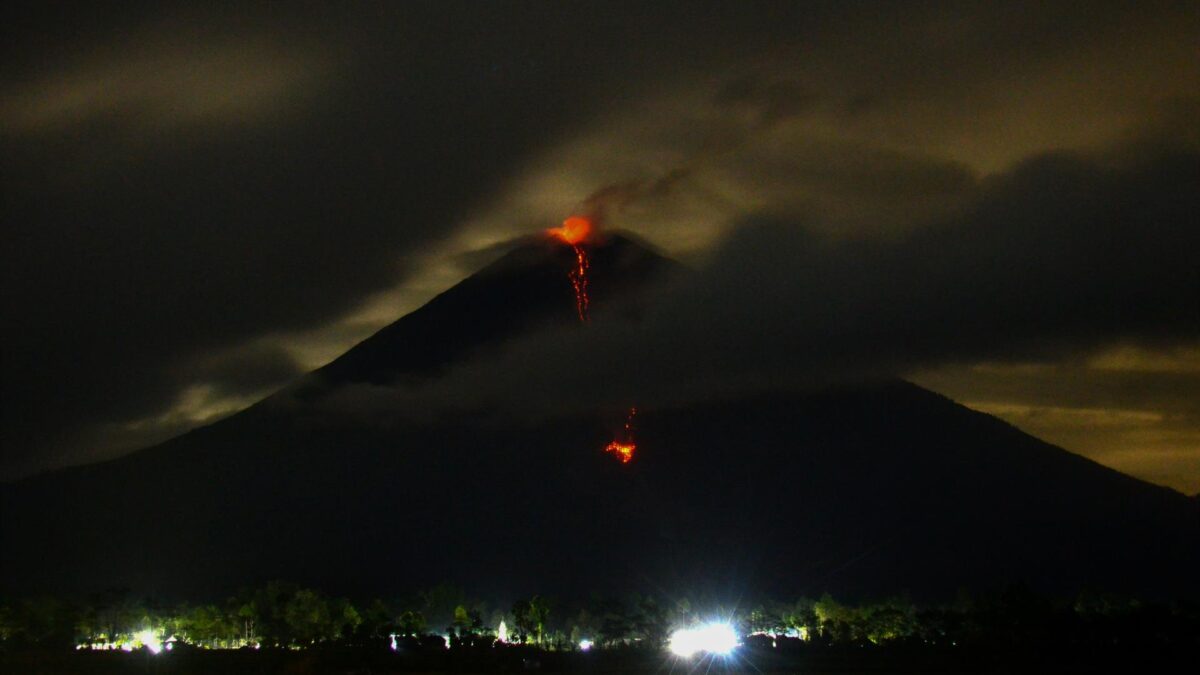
<point>573,230</point>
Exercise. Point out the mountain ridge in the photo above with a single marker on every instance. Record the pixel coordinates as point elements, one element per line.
<point>867,487</point>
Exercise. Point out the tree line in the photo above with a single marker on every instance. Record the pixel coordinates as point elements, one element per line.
<point>286,615</point>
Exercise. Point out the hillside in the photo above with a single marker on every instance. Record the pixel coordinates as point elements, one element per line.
<point>860,488</point>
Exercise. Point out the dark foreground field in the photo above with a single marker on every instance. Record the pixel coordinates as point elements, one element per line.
<point>846,661</point>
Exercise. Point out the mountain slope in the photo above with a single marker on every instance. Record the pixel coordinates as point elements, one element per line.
<point>868,488</point>
<point>523,289</point>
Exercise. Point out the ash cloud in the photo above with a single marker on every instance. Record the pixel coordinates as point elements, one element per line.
<point>182,187</point>
<point>150,226</point>
<point>1063,255</point>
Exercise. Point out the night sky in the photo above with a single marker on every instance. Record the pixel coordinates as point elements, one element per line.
<point>998,201</point>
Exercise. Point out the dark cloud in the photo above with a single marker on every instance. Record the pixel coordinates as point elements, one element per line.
<point>1063,255</point>
<point>180,182</point>
<point>1133,409</point>
<point>245,370</point>
<point>186,191</point>
<point>148,227</point>
<point>611,199</point>
<point>765,98</point>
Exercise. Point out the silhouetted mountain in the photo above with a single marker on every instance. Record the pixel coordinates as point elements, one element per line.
<point>511,296</point>
<point>868,488</point>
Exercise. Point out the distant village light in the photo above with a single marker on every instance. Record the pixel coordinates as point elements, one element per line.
<point>714,638</point>
<point>149,640</point>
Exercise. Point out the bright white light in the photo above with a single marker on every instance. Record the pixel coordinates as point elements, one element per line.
<point>714,638</point>
<point>585,645</point>
<point>395,647</point>
<point>502,632</point>
<point>149,640</point>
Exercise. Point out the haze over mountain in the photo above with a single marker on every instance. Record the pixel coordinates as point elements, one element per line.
<point>347,480</point>
<point>996,202</point>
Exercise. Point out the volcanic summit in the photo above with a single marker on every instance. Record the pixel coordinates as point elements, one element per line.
<point>857,488</point>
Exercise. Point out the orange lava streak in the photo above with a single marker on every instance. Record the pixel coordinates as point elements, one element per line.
<point>574,231</point>
<point>624,450</point>
<point>579,282</point>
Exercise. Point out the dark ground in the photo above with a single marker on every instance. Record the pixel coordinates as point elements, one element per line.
<point>814,661</point>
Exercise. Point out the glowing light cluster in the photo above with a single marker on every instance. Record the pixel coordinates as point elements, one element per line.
<point>128,642</point>
<point>574,231</point>
<point>623,451</point>
<point>714,638</point>
<point>150,641</point>
<point>585,645</point>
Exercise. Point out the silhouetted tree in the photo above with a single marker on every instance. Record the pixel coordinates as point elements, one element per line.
<point>377,621</point>
<point>268,607</point>
<point>410,623</point>
<point>439,603</point>
<point>615,621</point>
<point>649,621</point>
<point>307,616</point>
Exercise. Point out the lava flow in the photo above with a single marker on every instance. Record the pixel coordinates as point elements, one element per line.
<point>623,450</point>
<point>574,231</point>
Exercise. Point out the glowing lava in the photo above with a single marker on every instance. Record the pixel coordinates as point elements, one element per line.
<point>623,450</point>
<point>574,231</point>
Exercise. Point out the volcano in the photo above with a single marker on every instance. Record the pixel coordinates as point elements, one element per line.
<point>866,488</point>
